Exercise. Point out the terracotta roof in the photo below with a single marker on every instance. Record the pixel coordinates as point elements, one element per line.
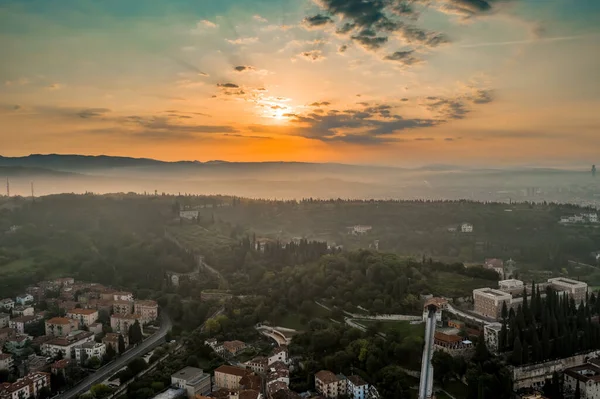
<point>60,364</point>
<point>278,349</point>
<point>326,376</point>
<point>249,394</point>
<point>233,345</point>
<point>225,369</point>
<point>439,302</point>
<point>86,312</point>
<point>58,320</point>
<point>251,381</point>
<point>148,302</point>
<point>447,338</point>
<point>24,319</point>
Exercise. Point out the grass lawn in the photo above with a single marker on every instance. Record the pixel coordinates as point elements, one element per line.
<point>404,327</point>
<point>456,285</point>
<point>17,266</point>
<point>292,319</point>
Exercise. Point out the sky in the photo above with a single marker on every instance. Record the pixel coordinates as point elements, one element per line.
<point>393,82</point>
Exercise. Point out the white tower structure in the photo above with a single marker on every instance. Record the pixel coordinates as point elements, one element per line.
<point>426,382</point>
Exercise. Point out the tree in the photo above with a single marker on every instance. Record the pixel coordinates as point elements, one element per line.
<point>517,354</point>
<point>192,361</point>
<point>443,366</point>
<point>135,333</point>
<point>577,391</point>
<point>481,352</point>
<point>110,353</point>
<point>504,311</point>
<point>121,344</point>
<point>100,391</point>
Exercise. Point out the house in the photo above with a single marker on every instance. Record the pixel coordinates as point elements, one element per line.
<point>234,347</point>
<point>22,310</point>
<point>6,333</point>
<point>277,389</point>
<point>452,344</point>
<point>122,296</point>
<point>60,366</point>
<point>496,265</point>
<point>18,345</point>
<point>66,345</point>
<point>86,317</point>
<point>4,318</point>
<point>360,229</point>
<point>258,364</point>
<point>278,371</point>
<point>122,307</point>
<point>96,328</point>
<point>466,228</point>
<point>229,376</point>
<point>148,309</point>
<point>64,281</point>
<point>61,326</point>
<point>193,380</point>
<point>120,323</point>
<point>35,363</point>
<point>215,345</point>
<point>251,381</point>
<point>279,354</point>
<point>356,387</point>
<point>16,390</point>
<point>6,361</point>
<point>24,299</point>
<point>20,323</point>
<point>7,304</point>
<point>89,350</point>
<point>329,384</point>
<point>587,376</point>
<point>113,340</point>
<point>189,215</point>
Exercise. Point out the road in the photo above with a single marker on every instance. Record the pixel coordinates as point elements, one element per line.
<point>111,368</point>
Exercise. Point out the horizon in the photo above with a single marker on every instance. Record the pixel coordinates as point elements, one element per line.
<point>392,83</point>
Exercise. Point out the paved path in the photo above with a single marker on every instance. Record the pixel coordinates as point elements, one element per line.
<point>106,371</point>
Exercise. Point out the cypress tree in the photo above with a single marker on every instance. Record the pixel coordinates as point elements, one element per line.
<point>517,354</point>
<point>577,391</point>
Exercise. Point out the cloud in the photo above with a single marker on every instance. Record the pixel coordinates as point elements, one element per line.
<point>244,136</point>
<point>482,96</point>
<point>207,24</point>
<point>243,68</point>
<point>405,57</point>
<point>203,26</point>
<point>18,82</point>
<point>470,8</point>
<point>54,86</point>
<point>243,40</point>
<point>343,49</point>
<point>458,107</point>
<point>260,19</point>
<point>370,43</point>
<point>320,104</point>
<point>312,55</point>
<point>228,85</point>
<point>92,112</point>
<point>317,21</point>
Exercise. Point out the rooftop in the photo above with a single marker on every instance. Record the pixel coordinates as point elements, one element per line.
<point>58,320</point>
<point>170,393</point>
<point>567,281</point>
<point>447,338</point>
<point>584,372</point>
<point>356,381</point>
<point>491,292</point>
<point>188,373</point>
<point>326,376</point>
<point>24,319</point>
<point>225,369</point>
<point>146,303</point>
<point>81,311</point>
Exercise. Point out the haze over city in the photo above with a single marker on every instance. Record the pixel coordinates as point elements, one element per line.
<point>381,82</point>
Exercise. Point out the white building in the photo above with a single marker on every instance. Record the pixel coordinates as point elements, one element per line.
<point>356,388</point>
<point>23,310</point>
<point>89,350</point>
<point>4,319</point>
<point>6,361</point>
<point>215,345</point>
<point>361,229</point>
<point>466,228</point>
<point>24,299</point>
<point>61,326</point>
<point>86,317</point>
<point>193,380</point>
<point>491,335</point>
<point>66,345</point>
<point>147,309</point>
<point>511,284</point>
<point>329,384</point>
<point>587,376</point>
<point>20,323</point>
<point>576,289</point>
<point>122,296</point>
<point>120,323</point>
<point>7,304</point>
<point>279,354</point>
<point>189,215</point>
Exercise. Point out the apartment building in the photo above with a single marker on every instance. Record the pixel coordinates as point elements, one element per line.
<point>148,310</point>
<point>4,320</point>
<point>193,380</point>
<point>19,323</point>
<point>229,377</point>
<point>61,326</point>
<point>66,345</point>
<point>113,340</point>
<point>85,317</point>
<point>6,361</point>
<point>120,323</point>
<point>122,307</point>
<point>329,384</point>
<point>587,376</point>
<point>356,387</point>
<point>28,386</point>
<point>89,350</point>
<point>279,354</point>
<point>575,289</point>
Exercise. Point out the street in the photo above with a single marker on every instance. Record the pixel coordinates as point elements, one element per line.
<point>106,371</point>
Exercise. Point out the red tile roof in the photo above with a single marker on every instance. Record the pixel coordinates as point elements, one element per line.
<point>225,369</point>
<point>326,376</point>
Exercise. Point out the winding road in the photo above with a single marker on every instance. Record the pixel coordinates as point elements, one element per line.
<point>106,371</point>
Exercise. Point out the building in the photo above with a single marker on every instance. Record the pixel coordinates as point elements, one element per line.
<point>488,301</point>
<point>66,345</point>
<point>587,376</point>
<point>234,347</point>
<point>491,335</point>
<point>120,323</point>
<point>122,296</point>
<point>279,354</point>
<point>357,388</point>
<point>24,299</point>
<point>113,340</point>
<point>215,345</point>
<point>466,228</point>
<point>496,265</point>
<point>278,371</point>
<point>258,364</point>
<point>193,380</point>
<point>7,304</point>
<point>96,328</point>
<point>148,310</point>
<point>30,385</point>
<point>89,350</point>
<point>35,363</point>
<point>6,361</point>
<point>576,289</point>
<point>85,317</point>
<point>18,345</point>
<point>189,215</point>
<point>452,344</point>
<point>61,326</point>
<point>122,307</point>
<point>459,325</point>
<point>20,323</point>
<point>440,303</point>
<point>329,385</point>
<point>4,320</point>
<point>23,310</point>
<point>60,366</point>
<point>511,285</point>
<point>229,376</point>
<point>360,229</point>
